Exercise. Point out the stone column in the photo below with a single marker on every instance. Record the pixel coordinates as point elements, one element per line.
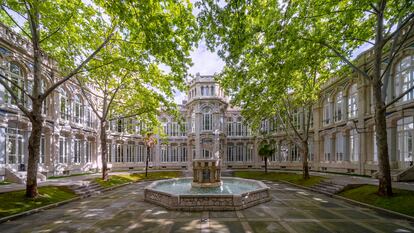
<point>55,151</point>
<point>198,121</point>
<point>392,139</point>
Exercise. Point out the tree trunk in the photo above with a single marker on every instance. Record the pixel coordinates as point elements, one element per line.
<point>104,150</point>
<point>35,115</point>
<point>385,185</point>
<point>305,164</point>
<point>146,161</point>
<point>34,152</point>
<point>265,160</point>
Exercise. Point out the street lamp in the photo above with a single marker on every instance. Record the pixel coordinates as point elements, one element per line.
<point>149,142</point>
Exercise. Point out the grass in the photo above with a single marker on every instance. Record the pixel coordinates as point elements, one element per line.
<point>279,176</point>
<point>16,202</point>
<point>134,177</point>
<point>4,182</point>
<point>402,201</point>
<point>80,174</point>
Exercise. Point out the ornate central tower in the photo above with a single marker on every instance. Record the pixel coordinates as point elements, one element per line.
<point>206,108</point>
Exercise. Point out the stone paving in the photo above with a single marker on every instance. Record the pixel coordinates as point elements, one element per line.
<point>290,210</point>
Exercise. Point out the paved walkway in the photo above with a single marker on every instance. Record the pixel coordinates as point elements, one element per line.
<point>291,210</point>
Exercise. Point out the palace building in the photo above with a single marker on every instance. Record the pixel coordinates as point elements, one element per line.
<point>342,132</point>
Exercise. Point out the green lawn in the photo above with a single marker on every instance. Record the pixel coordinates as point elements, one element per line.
<point>402,201</point>
<point>16,202</point>
<point>134,177</point>
<point>279,176</point>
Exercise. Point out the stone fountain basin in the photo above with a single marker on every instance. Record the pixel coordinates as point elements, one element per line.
<point>206,199</point>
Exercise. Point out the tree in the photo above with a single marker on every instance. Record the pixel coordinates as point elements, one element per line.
<point>336,28</point>
<point>67,31</point>
<point>129,79</point>
<point>126,90</point>
<point>265,151</point>
<point>73,33</point>
<point>264,73</point>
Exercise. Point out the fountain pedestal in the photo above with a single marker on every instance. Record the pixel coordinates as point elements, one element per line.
<point>206,173</point>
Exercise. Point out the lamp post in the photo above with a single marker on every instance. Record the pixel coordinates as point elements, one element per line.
<point>149,142</point>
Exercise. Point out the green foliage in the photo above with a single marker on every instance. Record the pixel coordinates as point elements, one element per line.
<point>402,201</point>
<point>265,64</point>
<point>115,180</point>
<point>265,150</point>
<point>280,176</point>
<point>16,202</point>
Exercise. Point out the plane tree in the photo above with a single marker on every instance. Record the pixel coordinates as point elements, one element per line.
<point>337,28</point>
<point>73,32</point>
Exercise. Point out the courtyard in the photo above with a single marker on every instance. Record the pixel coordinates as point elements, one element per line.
<point>290,210</point>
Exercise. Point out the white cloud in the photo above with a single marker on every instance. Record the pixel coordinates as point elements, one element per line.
<point>205,62</point>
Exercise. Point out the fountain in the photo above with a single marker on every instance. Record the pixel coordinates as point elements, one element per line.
<point>207,190</point>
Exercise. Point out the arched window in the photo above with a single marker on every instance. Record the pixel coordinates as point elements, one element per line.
<point>207,119</point>
<point>404,78</point>
<point>64,105</point>
<point>352,101</point>
<point>77,109</point>
<point>339,106</point>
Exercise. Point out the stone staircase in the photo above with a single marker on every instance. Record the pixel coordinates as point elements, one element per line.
<point>328,187</point>
<point>20,177</point>
<point>87,189</point>
<point>398,175</point>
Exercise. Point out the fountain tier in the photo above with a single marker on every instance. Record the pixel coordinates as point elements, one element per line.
<point>233,194</point>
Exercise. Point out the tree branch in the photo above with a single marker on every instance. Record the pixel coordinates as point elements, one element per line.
<point>399,97</point>
<point>58,29</point>
<point>89,100</point>
<point>79,67</point>
<point>14,21</point>
<point>346,60</point>
<point>403,25</point>
<point>105,114</point>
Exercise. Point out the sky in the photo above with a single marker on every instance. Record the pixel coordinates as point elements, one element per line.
<point>204,62</point>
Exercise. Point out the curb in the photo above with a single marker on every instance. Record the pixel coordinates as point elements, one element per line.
<point>400,215</point>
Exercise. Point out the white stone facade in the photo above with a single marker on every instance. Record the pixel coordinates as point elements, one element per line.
<point>211,127</point>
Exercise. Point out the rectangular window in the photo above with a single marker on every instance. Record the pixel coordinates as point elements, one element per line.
<point>327,148</point>
<point>42,150</point>
<point>77,151</point>
<point>339,153</point>
<point>63,150</point>
<point>354,146</point>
